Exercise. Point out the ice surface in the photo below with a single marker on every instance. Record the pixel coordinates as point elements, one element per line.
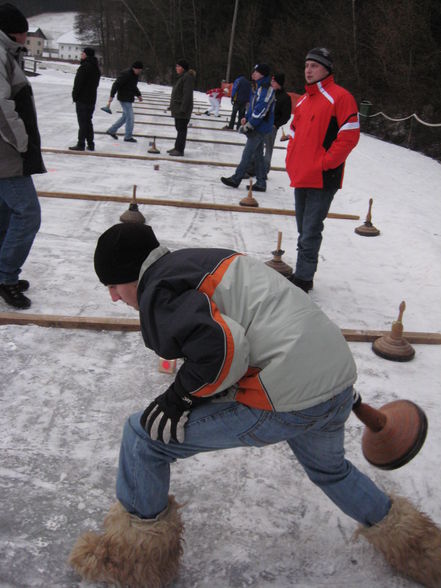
<point>252,517</point>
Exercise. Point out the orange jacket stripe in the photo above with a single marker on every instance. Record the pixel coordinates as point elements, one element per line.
<point>210,282</point>
<point>208,286</point>
<point>212,388</point>
<point>251,391</point>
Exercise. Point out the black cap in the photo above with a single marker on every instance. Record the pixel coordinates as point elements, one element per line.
<point>183,63</point>
<point>138,65</point>
<point>121,251</point>
<point>89,51</point>
<point>321,55</point>
<point>262,68</point>
<point>12,20</point>
<point>280,79</point>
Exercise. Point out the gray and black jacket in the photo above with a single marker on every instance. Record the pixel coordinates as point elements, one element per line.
<point>242,329</point>
<point>20,145</point>
<point>181,100</point>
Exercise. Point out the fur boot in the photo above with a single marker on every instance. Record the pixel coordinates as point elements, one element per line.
<point>410,542</point>
<point>132,552</point>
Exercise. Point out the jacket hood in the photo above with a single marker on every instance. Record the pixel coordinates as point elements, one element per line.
<point>10,45</point>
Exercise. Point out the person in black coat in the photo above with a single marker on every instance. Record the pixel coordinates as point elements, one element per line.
<point>84,91</point>
<point>181,104</point>
<point>126,88</point>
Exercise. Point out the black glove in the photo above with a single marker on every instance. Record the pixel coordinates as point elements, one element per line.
<point>165,417</point>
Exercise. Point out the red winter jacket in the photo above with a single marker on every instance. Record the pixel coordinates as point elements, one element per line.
<point>324,130</point>
<point>217,93</point>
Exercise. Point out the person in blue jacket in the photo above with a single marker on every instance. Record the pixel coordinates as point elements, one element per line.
<point>240,96</point>
<point>258,123</point>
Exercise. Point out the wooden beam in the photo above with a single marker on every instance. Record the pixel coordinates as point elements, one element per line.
<point>126,324</point>
<point>194,140</point>
<point>70,322</point>
<point>145,158</point>
<point>369,336</point>
<point>184,204</point>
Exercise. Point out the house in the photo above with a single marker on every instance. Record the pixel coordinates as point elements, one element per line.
<point>35,41</point>
<point>70,47</point>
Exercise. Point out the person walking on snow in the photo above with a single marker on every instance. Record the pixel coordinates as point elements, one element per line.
<point>126,88</point>
<point>257,124</point>
<point>261,364</point>
<point>84,93</point>
<point>20,157</point>
<point>324,130</point>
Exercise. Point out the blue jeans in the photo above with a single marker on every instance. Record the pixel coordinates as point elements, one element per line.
<point>20,218</point>
<point>311,205</point>
<point>315,435</point>
<point>253,150</point>
<point>127,117</point>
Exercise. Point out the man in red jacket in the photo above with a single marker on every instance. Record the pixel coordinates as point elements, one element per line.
<point>324,130</point>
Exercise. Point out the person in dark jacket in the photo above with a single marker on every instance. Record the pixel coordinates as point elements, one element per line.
<point>240,97</point>
<point>20,157</point>
<point>282,114</point>
<point>84,91</point>
<point>126,88</point>
<point>261,364</point>
<point>181,104</point>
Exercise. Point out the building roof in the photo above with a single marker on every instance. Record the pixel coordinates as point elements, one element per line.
<point>36,32</point>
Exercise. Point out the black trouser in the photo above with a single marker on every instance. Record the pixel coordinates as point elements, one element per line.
<point>237,108</point>
<point>181,125</point>
<point>84,116</point>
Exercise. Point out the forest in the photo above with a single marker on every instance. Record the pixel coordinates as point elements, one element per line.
<point>386,53</point>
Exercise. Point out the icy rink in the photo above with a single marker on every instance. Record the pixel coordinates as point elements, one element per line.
<point>252,517</point>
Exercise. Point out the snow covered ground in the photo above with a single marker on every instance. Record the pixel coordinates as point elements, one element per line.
<point>252,517</point>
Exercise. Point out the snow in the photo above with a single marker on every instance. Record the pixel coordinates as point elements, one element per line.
<point>54,24</point>
<point>252,517</point>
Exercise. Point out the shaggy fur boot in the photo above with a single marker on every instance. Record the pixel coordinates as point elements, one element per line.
<point>132,552</point>
<point>410,542</point>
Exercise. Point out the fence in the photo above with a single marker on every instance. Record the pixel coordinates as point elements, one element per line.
<point>408,131</point>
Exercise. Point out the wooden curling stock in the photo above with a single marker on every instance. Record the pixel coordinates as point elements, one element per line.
<point>394,434</point>
<point>133,215</point>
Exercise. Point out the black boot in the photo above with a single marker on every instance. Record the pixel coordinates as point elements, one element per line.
<point>12,295</point>
<point>91,147</point>
<point>77,147</point>
<point>305,285</point>
<point>230,182</point>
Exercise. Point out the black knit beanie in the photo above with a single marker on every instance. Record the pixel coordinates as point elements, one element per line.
<point>321,55</point>
<point>183,63</point>
<point>280,79</point>
<point>12,20</point>
<point>263,69</point>
<point>89,51</point>
<point>137,65</point>
<point>121,251</point>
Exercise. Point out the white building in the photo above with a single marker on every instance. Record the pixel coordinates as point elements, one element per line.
<point>70,46</point>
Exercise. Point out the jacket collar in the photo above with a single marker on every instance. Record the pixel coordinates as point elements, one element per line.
<point>152,257</point>
<point>11,46</point>
<point>316,88</point>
